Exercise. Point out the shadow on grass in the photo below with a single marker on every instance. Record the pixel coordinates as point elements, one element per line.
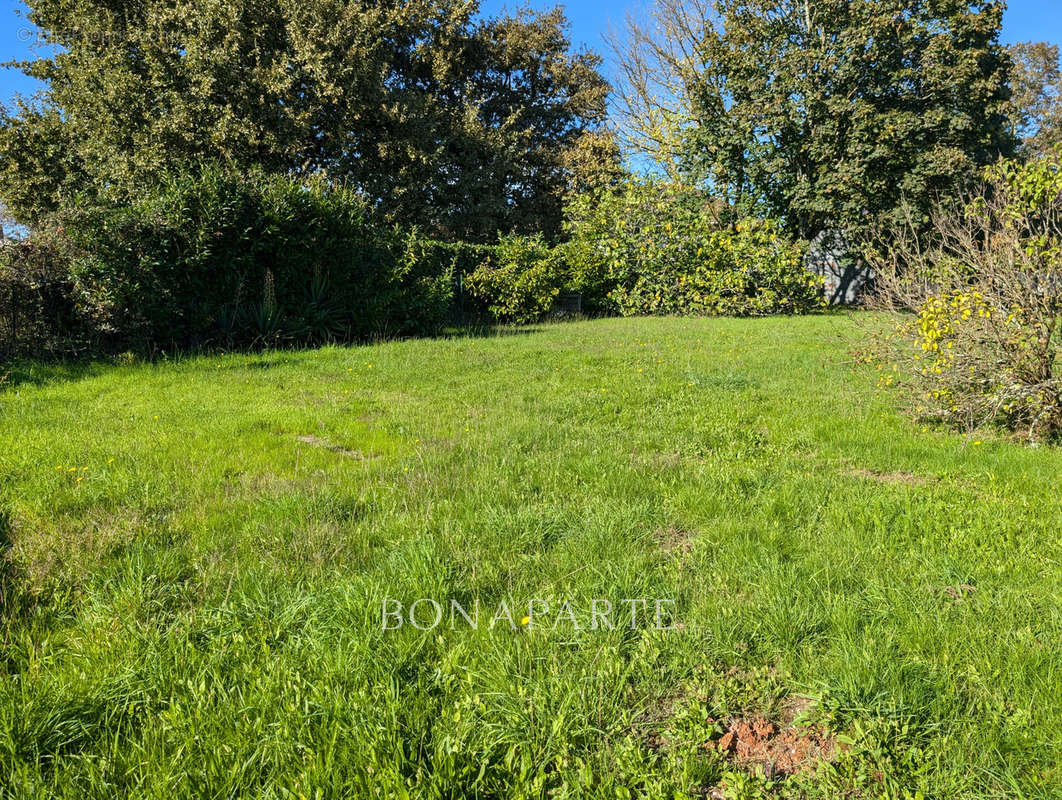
<point>38,372</point>
<point>484,331</point>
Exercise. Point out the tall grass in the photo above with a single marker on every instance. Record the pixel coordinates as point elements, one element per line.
<point>207,544</point>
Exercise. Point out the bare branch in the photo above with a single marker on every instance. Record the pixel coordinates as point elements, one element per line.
<point>658,56</point>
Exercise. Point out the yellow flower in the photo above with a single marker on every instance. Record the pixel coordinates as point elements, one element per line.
<point>525,621</point>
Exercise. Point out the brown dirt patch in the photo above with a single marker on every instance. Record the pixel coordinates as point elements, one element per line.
<point>778,749</point>
<point>954,594</point>
<point>315,441</point>
<point>897,477</point>
<point>673,539</point>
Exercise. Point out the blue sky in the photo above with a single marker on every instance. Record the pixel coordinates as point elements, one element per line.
<point>1025,20</point>
<point>1037,20</point>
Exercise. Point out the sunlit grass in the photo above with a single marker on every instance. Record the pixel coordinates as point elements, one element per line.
<point>199,550</point>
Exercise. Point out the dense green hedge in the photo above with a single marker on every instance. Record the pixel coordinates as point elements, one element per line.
<point>217,259</point>
<point>459,260</point>
<point>519,279</point>
<point>211,259</point>
<point>650,247</point>
<point>41,310</point>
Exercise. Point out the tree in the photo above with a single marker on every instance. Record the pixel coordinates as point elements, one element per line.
<point>459,126</point>
<point>659,59</point>
<point>512,116</point>
<point>1036,95</point>
<point>828,113</point>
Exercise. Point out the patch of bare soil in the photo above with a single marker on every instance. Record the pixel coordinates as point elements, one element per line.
<point>953,594</point>
<point>316,441</point>
<point>897,477</point>
<point>674,540</point>
<point>777,748</point>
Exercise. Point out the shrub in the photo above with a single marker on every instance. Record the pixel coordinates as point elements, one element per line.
<point>41,310</point>
<point>621,234</point>
<point>984,342</point>
<point>431,257</point>
<point>751,271</point>
<point>434,257</point>
<point>217,258</point>
<point>519,281</point>
<point>658,248</point>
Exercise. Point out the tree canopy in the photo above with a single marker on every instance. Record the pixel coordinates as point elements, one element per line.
<point>1036,100</point>
<point>829,113</point>
<point>461,126</point>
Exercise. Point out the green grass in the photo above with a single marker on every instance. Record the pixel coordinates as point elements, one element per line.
<point>200,614</point>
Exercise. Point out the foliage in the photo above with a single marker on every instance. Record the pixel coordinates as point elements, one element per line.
<point>430,258</point>
<point>41,310</point>
<point>654,247</point>
<point>988,298</point>
<point>530,112</point>
<point>1036,95</point>
<point>519,281</point>
<point>210,590</point>
<point>459,125</point>
<point>749,271</point>
<point>826,113</point>
<point>227,260</point>
<point>659,72</point>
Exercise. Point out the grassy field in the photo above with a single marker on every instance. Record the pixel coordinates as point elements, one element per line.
<point>199,554</point>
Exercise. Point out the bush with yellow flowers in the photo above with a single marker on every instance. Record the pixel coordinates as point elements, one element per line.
<point>983,341</point>
<point>654,247</point>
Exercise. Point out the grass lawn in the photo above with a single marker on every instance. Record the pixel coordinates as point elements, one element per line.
<point>199,554</point>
